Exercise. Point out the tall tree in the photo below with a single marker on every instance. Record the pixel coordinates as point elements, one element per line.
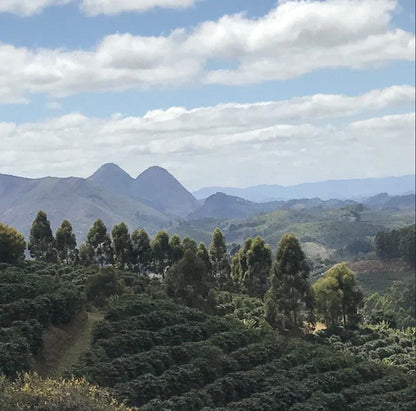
<point>12,245</point>
<point>289,300</point>
<point>141,251</point>
<point>407,244</point>
<point>187,281</point>
<point>99,244</point>
<point>190,244</point>
<point>66,243</point>
<point>122,246</point>
<point>203,254</point>
<point>337,296</point>
<point>41,240</point>
<point>219,259</point>
<point>175,249</point>
<point>251,267</point>
<point>160,250</point>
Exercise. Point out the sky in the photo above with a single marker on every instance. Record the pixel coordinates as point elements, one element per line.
<point>220,93</point>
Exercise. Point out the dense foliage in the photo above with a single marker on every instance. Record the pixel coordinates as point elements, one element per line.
<point>397,243</point>
<point>32,297</point>
<point>200,335</point>
<point>378,343</point>
<point>337,296</point>
<point>12,245</point>
<point>289,301</point>
<point>159,355</point>
<point>251,267</point>
<point>395,307</point>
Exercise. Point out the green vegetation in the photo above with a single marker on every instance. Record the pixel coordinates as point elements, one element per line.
<point>204,331</point>
<point>32,393</point>
<point>159,355</point>
<point>337,296</point>
<point>12,245</point>
<point>397,244</point>
<point>42,242</point>
<point>32,297</point>
<point>289,301</point>
<point>251,267</point>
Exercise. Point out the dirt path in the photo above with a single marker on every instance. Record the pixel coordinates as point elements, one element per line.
<point>64,346</point>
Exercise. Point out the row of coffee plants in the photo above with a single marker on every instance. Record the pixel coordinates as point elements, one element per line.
<point>32,297</point>
<point>157,355</point>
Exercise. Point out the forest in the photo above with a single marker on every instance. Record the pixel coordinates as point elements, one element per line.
<point>188,326</point>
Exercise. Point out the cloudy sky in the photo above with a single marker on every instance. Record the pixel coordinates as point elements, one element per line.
<point>235,92</point>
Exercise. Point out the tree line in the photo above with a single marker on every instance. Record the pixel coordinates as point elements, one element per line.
<point>397,244</point>
<point>190,270</point>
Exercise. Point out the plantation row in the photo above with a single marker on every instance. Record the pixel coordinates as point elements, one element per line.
<point>30,301</point>
<point>158,355</point>
<point>377,343</point>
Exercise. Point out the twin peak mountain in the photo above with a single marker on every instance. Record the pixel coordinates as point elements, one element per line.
<point>155,187</point>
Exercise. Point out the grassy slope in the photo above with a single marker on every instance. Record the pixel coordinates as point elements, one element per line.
<point>64,346</point>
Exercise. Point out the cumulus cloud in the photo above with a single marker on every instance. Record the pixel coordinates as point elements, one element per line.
<point>95,7</point>
<point>92,7</point>
<point>28,7</point>
<point>292,39</point>
<point>237,144</point>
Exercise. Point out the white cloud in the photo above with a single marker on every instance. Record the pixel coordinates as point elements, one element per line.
<point>28,7</point>
<point>95,7</point>
<point>92,7</point>
<point>292,39</point>
<point>283,141</point>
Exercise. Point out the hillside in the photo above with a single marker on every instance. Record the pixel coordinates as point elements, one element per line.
<point>331,228</point>
<point>384,202</point>
<point>155,187</point>
<point>341,189</point>
<point>79,200</point>
<point>158,355</point>
<point>160,190</point>
<point>224,206</point>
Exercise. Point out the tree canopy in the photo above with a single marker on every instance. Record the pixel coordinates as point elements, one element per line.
<point>12,245</point>
<point>337,296</point>
<point>251,267</point>
<point>289,300</point>
<point>41,241</point>
<point>66,242</point>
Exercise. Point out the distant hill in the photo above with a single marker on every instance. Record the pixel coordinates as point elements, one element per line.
<point>385,202</point>
<point>221,205</point>
<point>79,200</point>
<point>155,187</point>
<point>325,190</point>
<point>224,206</point>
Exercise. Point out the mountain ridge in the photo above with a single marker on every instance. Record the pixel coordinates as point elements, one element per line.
<point>325,190</point>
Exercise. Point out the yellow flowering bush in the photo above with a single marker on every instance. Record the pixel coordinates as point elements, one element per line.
<point>31,392</point>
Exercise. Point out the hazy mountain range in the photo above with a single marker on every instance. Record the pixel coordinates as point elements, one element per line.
<point>340,189</point>
<point>156,200</point>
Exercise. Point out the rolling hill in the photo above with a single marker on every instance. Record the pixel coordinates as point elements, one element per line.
<point>325,190</point>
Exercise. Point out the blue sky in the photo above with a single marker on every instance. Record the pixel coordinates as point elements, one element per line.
<point>88,83</point>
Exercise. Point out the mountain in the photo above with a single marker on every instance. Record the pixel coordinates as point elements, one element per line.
<point>383,201</point>
<point>81,201</point>
<point>221,205</point>
<point>155,187</point>
<point>112,178</point>
<point>160,190</point>
<point>325,190</point>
